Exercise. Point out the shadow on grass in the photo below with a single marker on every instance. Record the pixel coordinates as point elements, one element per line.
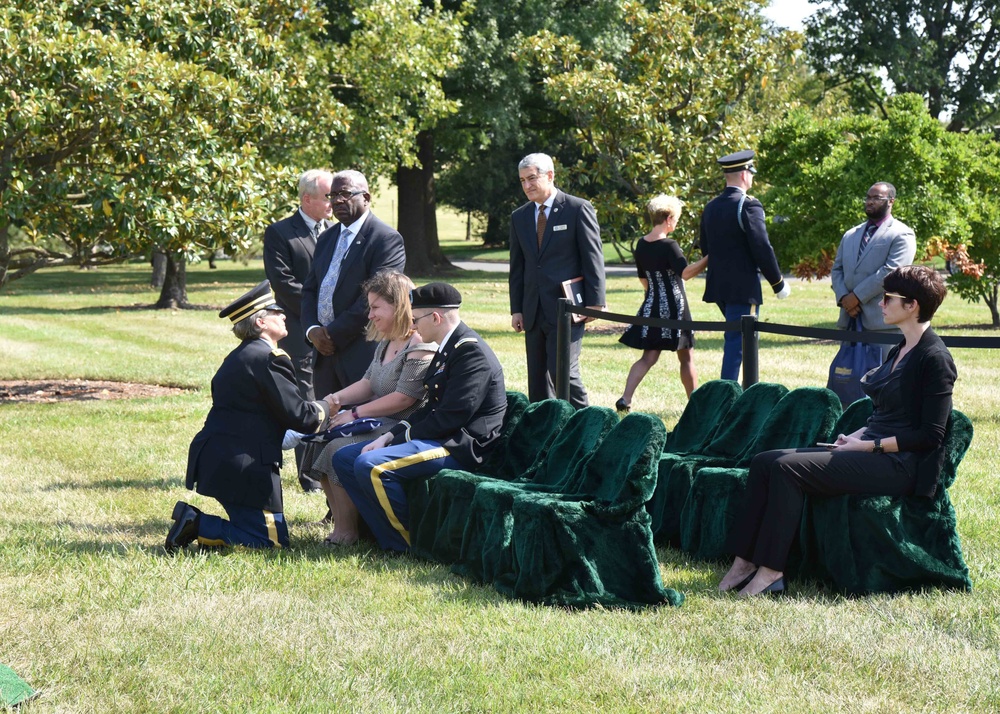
<point>119,484</point>
<point>129,279</point>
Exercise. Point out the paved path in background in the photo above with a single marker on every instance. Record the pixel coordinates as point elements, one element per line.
<point>490,266</point>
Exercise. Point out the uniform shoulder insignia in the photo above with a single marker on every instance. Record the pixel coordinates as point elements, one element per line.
<point>278,352</point>
<point>464,340</point>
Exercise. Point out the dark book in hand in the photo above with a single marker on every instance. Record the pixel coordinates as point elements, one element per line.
<point>573,291</point>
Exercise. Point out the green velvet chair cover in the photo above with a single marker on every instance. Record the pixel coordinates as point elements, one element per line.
<point>885,544</point>
<point>517,403</point>
<point>486,551</point>
<point>418,492</point>
<point>802,417</point>
<point>702,415</point>
<point>737,429</point>
<point>445,508</point>
<point>581,550</point>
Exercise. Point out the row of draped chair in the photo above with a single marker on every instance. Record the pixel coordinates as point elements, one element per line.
<point>568,508</point>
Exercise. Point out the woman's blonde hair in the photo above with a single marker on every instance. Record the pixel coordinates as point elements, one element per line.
<point>662,207</point>
<point>393,287</point>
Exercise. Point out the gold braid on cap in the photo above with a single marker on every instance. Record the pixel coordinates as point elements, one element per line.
<point>258,304</point>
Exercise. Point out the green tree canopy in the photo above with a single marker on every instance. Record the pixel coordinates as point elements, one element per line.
<point>820,169</point>
<point>945,50</point>
<point>152,125</point>
<point>682,94</point>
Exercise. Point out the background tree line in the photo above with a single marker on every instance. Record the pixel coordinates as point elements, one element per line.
<point>179,127</point>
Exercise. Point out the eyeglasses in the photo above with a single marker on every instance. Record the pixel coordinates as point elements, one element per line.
<point>875,199</point>
<point>418,319</point>
<point>530,179</point>
<point>344,195</point>
<point>886,297</point>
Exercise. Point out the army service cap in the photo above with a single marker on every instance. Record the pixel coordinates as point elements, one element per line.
<point>740,161</point>
<point>259,298</point>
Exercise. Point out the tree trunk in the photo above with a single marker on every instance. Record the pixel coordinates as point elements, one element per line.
<point>991,301</point>
<point>173,294</point>
<point>497,230</point>
<point>417,220</point>
<point>4,253</point>
<point>159,269</point>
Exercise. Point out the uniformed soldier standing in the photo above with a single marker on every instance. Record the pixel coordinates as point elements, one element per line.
<point>236,457</point>
<point>456,428</point>
<point>734,237</point>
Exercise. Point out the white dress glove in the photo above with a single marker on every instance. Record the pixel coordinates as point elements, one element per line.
<point>291,440</point>
<point>785,291</point>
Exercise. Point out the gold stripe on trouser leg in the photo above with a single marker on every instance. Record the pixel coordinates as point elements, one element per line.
<point>383,498</point>
<point>272,530</point>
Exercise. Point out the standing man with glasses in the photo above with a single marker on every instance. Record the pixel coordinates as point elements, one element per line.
<point>867,253</point>
<point>553,238</point>
<point>734,237</point>
<point>334,310</point>
<point>289,245</point>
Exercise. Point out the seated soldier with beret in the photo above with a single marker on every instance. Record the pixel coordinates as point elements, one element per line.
<point>236,457</point>
<point>461,421</point>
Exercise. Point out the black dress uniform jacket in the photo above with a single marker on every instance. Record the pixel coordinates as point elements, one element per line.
<point>466,400</point>
<point>236,457</point>
<point>735,253</point>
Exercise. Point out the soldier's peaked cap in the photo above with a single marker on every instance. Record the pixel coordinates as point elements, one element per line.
<point>740,161</point>
<point>259,298</point>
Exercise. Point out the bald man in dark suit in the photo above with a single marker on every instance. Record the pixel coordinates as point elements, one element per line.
<point>334,310</point>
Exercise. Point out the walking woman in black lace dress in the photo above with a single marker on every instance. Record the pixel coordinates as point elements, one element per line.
<point>662,268</point>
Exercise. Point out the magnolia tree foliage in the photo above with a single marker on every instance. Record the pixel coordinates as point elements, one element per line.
<point>820,170</point>
<point>132,125</point>
<point>391,60</point>
<point>656,119</point>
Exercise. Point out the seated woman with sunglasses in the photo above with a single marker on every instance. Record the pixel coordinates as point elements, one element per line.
<point>899,452</point>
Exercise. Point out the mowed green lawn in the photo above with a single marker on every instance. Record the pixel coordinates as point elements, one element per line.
<point>96,616</point>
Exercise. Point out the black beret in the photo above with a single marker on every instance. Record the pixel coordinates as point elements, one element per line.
<point>435,295</point>
<point>740,161</point>
<point>260,298</point>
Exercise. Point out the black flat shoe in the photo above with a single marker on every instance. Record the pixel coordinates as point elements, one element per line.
<point>185,528</point>
<point>775,588</point>
<point>621,406</point>
<point>744,582</point>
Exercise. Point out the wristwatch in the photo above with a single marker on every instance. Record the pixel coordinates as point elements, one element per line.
<point>877,448</point>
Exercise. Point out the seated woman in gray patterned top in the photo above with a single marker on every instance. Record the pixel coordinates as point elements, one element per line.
<point>391,390</point>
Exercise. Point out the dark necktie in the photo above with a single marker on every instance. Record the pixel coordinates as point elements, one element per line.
<point>869,232</point>
<point>540,226</point>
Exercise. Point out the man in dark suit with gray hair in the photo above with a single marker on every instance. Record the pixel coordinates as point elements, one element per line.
<point>553,238</point>
<point>289,245</point>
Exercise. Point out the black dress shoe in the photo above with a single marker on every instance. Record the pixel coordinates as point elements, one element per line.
<point>185,527</point>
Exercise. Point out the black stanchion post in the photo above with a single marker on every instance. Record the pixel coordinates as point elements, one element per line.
<point>751,361</point>
<point>563,327</point>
